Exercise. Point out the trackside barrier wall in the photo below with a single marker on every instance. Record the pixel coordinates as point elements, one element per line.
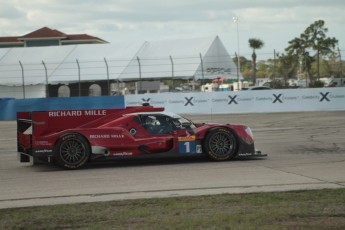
<point>286,100</point>
<point>9,106</point>
<point>252,101</point>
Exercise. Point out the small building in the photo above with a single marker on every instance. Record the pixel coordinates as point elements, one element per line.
<point>48,37</point>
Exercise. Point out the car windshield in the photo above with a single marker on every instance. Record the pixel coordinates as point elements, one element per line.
<point>175,118</point>
<point>182,120</point>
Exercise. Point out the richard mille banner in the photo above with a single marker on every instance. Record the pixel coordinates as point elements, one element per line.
<point>252,101</point>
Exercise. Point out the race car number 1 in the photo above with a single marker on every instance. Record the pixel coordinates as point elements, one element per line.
<point>187,144</point>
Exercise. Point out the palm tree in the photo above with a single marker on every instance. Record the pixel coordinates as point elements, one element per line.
<point>255,44</point>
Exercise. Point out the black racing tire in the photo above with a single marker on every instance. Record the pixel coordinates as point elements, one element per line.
<point>220,144</point>
<point>72,151</point>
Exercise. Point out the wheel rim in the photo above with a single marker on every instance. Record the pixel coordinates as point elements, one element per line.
<point>72,151</point>
<point>221,144</point>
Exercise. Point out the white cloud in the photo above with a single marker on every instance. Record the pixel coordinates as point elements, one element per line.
<point>275,22</point>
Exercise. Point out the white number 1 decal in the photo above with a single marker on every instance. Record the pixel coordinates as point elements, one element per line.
<point>187,144</point>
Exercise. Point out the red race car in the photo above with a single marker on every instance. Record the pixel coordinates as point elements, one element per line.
<point>71,138</point>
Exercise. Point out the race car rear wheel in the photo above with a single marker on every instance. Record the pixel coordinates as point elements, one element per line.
<point>72,151</point>
<point>220,144</point>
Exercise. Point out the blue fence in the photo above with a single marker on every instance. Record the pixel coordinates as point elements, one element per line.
<point>9,106</point>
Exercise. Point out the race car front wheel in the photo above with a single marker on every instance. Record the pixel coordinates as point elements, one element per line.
<point>72,151</point>
<point>220,144</point>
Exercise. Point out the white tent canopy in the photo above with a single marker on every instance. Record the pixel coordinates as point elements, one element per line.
<point>202,58</point>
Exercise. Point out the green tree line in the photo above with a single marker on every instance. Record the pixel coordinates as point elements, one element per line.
<point>312,55</point>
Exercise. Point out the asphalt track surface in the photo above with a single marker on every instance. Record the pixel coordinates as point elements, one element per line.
<point>305,151</point>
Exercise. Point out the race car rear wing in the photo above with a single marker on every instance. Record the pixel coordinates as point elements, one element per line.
<point>24,136</point>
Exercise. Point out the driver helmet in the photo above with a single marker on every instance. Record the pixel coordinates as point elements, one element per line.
<point>152,120</point>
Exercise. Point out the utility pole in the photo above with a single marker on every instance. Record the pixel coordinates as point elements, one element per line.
<point>274,64</point>
<point>318,62</point>
<point>340,64</point>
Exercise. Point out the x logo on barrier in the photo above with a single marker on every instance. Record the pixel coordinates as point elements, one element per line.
<point>324,96</point>
<point>277,98</point>
<point>146,100</point>
<point>232,100</point>
<point>189,101</point>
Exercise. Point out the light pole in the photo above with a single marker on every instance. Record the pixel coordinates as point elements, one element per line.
<point>236,20</point>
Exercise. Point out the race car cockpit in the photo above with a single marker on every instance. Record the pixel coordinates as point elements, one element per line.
<point>158,124</point>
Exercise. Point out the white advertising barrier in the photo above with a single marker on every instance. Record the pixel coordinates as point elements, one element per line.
<point>252,101</point>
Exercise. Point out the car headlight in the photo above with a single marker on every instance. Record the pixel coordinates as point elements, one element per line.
<point>249,132</point>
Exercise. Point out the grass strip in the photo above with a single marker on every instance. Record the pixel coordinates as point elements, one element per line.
<point>313,209</point>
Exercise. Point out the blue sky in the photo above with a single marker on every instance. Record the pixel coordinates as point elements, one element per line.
<point>275,22</point>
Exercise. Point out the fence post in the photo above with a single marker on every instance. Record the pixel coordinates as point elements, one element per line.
<point>79,86</point>
<point>139,87</point>
<point>108,81</point>
<point>46,72</point>
<point>172,73</point>
<point>202,70</point>
<point>23,78</point>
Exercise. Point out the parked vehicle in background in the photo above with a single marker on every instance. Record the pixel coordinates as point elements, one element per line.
<point>333,82</point>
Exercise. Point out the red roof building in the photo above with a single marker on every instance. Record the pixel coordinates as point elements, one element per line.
<point>48,37</point>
